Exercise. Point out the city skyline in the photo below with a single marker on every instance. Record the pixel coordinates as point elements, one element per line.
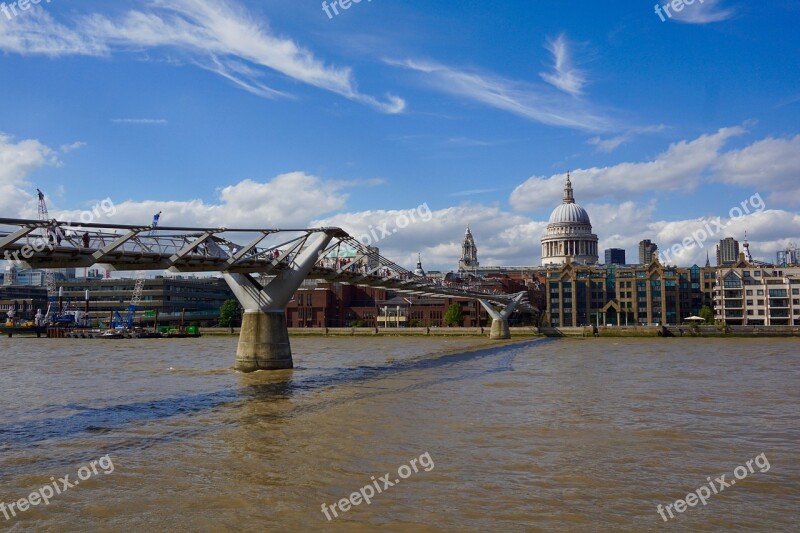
<point>242,114</point>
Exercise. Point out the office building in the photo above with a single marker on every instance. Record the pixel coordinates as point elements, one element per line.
<point>615,256</point>
<point>727,252</point>
<point>647,252</point>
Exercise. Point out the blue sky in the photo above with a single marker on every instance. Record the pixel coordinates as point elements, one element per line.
<point>272,113</point>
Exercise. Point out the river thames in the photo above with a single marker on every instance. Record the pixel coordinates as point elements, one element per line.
<point>540,435</point>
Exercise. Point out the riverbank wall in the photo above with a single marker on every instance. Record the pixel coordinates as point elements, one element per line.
<point>586,331</point>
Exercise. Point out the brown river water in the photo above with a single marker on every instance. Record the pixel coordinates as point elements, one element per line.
<point>540,435</point>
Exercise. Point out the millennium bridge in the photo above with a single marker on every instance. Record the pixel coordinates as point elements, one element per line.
<point>263,267</point>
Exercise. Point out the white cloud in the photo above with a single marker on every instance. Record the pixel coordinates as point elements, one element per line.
<point>221,36</point>
<point>680,167</point>
<point>768,231</point>
<point>287,200</point>
<point>504,238</point>
<point>771,165</point>
<point>507,239</point>
<point>538,103</point>
<point>18,160</point>
<point>564,76</point>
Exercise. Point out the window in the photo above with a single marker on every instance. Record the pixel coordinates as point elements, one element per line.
<point>749,302</point>
<point>732,281</point>
<point>795,291</point>
<point>749,292</point>
<point>760,292</point>
<point>757,273</point>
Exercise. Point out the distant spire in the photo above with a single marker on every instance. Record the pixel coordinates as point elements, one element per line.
<point>568,197</point>
<point>708,261</point>
<point>747,255</point>
<point>419,271</point>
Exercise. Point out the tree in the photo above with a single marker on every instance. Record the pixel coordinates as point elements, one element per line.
<point>707,314</point>
<point>229,313</point>
<point>454,316</point>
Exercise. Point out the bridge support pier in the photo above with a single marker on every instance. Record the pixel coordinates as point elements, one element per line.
<point>500,329</point>
<point>264,337</point>
<point>263,342</point>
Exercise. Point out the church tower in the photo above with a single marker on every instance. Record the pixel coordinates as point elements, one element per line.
<point>469,253</point>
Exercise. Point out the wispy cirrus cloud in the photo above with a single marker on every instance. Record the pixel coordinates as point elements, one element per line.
<point>612,143</point>
<point>703,12</point>
<point>220,36</point>
<point>564,76</point>
<point>38,33</point>
<point>143,121</point>
<point>472,192</point>
<point>538,103</point>
<point>67,148</point>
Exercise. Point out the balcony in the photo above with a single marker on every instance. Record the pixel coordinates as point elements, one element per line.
<point>734,304</point>
<point>781,304</point>
<point>778,314</point>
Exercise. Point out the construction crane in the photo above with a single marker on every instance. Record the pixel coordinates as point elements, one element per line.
<point>136,299</point>
<point>49,275</point>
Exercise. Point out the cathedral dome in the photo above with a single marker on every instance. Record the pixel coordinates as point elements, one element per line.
<point>569,214</point>
<point>569,234</point>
